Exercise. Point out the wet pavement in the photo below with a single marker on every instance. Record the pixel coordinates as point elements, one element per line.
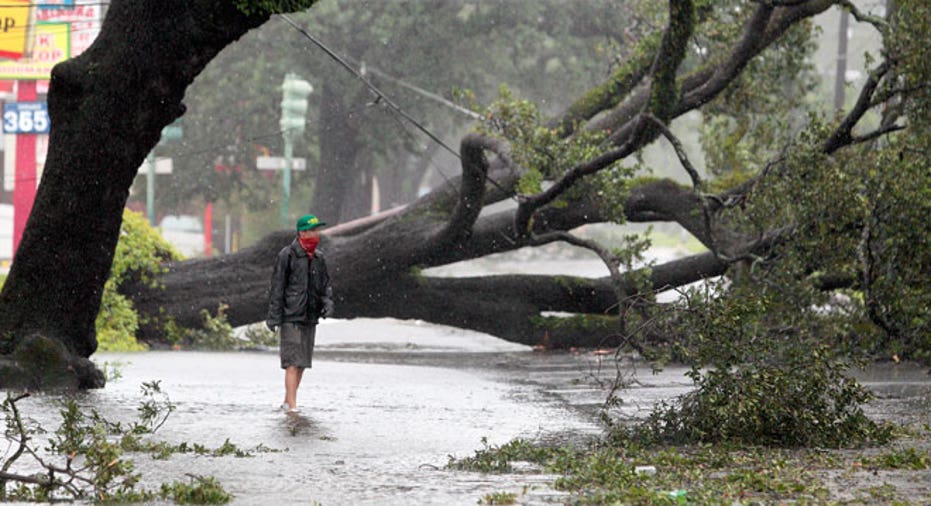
<point>383,408</point>
<point>386,404</point>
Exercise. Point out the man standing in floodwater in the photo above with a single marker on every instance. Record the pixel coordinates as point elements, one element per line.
<point>300,294</point>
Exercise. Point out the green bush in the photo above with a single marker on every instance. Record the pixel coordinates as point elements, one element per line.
<point>140,254</point>
<point>765,372</point>
<point>215,334</point>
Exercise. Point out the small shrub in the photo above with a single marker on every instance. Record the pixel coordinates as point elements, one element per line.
<point>139,255</point>
<point>259,335</point>
<point>216,333</point>
<point>499,498</point>
<point>200,490</point>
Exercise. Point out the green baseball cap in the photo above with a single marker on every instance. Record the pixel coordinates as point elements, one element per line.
<point>308,222</point>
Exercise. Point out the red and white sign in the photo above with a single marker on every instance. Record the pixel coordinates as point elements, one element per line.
<point>84,17</point>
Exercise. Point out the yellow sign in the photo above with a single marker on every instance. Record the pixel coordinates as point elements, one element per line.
<point>14,21</point>
<point>52,45</point>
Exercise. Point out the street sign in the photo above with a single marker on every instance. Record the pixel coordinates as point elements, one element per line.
<point>162,166</point>
<point>25,118</point>
<point>173,132</point>
<point>278,163</point>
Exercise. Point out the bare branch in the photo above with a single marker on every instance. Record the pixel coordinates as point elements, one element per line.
<point>879,23</point>
<point>23,437</point>
<point>609,259</point>
<point>879,132</point>
<point>843,134</point>
<point>680,151</point>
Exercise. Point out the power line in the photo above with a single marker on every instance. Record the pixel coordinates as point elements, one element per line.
<point>382,96</point>
<point>375,90</point>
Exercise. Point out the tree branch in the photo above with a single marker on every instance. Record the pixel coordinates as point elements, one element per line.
<point>609,93</point>
<point>697,183</point>
<point>879,23</point>
<point>664,92</point>
<point>875,134</point>
<point>530,204</point>
<point>471,193</point>
<point>843,134</point>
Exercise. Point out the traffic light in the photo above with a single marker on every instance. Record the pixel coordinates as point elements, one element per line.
<point>294,105</point>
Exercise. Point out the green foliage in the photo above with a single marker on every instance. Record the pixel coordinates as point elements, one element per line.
<point>606,472</point>
<point>499,498</point>
<point>534,146</point>
<point>751,120</point>
<point>906,458</point>
<point>498,459</point>
<point>258,335</point>
<point>140,255</point>
<point>763,372</point>
<point>894,247</point>
<point>545,156</point>
<point>95,452</point>
<point>199,490</point>
<point>215,333</point>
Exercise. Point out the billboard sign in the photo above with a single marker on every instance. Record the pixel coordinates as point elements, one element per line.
<point>52,45</point>
<point>14,21</point>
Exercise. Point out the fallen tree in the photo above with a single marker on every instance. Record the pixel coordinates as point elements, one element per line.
<point>377,263</point>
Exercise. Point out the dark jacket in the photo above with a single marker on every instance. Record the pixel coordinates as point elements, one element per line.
<point>300,291</point>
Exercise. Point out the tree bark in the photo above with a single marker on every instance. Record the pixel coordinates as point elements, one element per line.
<point>107,108</point>
<point>375,270</point>
<point>339,169</point>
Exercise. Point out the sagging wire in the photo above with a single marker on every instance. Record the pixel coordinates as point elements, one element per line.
<point>379,94</point>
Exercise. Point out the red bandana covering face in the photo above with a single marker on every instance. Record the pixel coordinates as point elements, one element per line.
<point>309,244</point>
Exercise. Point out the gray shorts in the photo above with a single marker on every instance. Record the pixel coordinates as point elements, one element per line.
<point>296,345</point>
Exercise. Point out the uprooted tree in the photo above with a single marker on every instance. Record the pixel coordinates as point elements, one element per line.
<point>377,263</point>
<point>770,211</point>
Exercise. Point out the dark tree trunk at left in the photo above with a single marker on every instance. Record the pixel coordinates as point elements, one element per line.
<point>107,107</point>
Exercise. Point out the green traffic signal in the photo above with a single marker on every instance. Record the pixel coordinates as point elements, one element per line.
<point>294,104</point>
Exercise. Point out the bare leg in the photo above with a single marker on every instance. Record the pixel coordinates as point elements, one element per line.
<point>292,380</point>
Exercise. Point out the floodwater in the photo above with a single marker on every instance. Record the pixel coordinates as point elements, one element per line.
<point>385,405</point>
<point>382,409</point>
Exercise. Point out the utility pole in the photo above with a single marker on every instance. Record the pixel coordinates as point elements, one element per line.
<point>840,78</point>
<point>293,122</point>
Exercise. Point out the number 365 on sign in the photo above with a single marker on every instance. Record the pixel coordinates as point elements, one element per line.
<point>25,118</point>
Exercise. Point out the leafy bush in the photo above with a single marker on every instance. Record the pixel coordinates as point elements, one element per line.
<point>93,453</point>
<point>216,333</point>
<point>140,254</point>
<point>764,370</point>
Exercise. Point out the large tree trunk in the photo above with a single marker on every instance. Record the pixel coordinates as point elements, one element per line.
<point>339,169</point>
<point>107,107</point>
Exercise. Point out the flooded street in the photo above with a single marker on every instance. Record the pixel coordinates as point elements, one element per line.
<point>379,415</point>
<point>384,406</point>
